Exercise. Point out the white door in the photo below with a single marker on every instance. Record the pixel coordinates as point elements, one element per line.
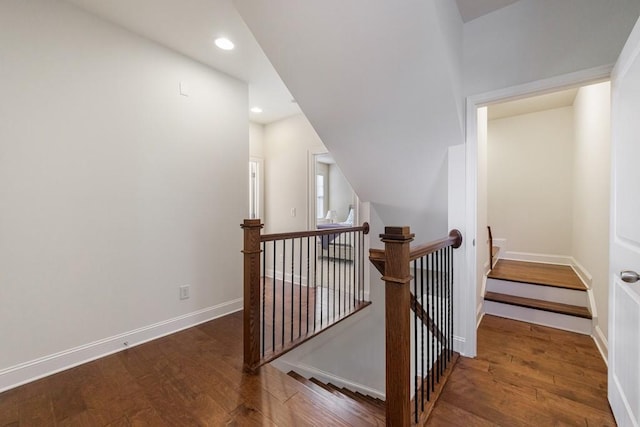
<point>624,298</point>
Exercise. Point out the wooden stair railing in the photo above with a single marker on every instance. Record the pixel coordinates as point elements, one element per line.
<point>395,262</point>
<point>493,250</point>
<point>297,285</point>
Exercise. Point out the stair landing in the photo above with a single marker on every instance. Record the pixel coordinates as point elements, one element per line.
<point>561,276</point>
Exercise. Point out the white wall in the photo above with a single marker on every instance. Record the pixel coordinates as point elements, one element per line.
<point>340,193</point>
<point>532,40</point>
<point>530,179</point>
<point>256,140</point>
<point>115,189</point>
<point>591,190</point>
<point>287,144</point>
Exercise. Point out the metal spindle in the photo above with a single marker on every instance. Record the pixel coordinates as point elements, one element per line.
<point>273,296</point>
<point>415,339</point>
<point>422,374</point>
<point>264,293</point>
<point>284,258</point>
<point>308,282</point>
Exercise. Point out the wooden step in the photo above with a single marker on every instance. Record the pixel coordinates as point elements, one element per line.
<point>346,408</point>
<point>375,404</point>
<point>553,307</point>
<point>561,276</point>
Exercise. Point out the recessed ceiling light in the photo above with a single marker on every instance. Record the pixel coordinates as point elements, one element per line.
<point>256,110</point>
<point>224,43</point>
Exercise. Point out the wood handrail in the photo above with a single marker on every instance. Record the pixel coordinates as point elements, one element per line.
<point>311,233</point>
<point>454,239</point>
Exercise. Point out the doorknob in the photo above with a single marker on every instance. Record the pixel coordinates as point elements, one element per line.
<point>629,276</point>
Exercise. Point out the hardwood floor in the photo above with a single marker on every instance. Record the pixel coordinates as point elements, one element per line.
<point>538,273</point>
<point>524,375</point>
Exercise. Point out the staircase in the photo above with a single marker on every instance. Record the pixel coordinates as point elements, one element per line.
<point>546,294</point>
<point>354,408</point>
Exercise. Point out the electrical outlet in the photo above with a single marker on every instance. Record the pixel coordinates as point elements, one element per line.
<point>184,292</point>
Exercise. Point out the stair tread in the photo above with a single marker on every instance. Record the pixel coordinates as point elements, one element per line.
<point>560,276</point>
<point>376,404</point>
<point>554,307</point>
<point>345,407</point>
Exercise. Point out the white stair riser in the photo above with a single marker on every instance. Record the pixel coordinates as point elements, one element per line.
<point>539,317</point>
<point>545,293</point>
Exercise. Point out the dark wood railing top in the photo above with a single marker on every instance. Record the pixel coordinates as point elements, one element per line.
<point>312,233</point>
<point>453,239</point>
<point>377,257</point>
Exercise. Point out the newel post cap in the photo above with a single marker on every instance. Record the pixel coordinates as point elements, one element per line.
<point>397,234</point>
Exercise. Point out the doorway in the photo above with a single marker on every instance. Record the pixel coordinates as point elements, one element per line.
<point>476,221</point>
<point>331,197</point>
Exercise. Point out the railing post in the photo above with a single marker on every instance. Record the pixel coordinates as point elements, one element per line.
<point>397,324</point>
<point>251,314</point>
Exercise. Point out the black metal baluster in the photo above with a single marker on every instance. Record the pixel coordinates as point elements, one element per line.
<point>300,291</point>
<point>274,298</point>
<point>451,284</point>
<point>284,269</point>
<point>422,296</point>
<point>333,263</point>
<point>308,281</point>
<point>322,278</point>
<point>415,339</point>
<point>439,308</point>
<point>264,291</point>
<point>293,281</point>
<point>432,316</point>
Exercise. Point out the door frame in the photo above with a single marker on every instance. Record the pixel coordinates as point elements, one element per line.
<point>474,308</point>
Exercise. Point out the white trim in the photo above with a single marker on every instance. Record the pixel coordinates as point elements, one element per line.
<point>309,372</point>
<point>540,317</point>
<point>601,343</point>
<point>26,372</point>
<point>541,258</point>
<point>459,344</point>
<point>582,272</point>
<point>480,313</point>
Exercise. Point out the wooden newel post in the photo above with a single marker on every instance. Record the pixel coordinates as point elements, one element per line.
<point>397,324</point>
<point>251,314</point>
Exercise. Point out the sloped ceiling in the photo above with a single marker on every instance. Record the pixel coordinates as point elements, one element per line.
<point>379,82</point>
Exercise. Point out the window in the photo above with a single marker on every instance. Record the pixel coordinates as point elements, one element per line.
<point>319,196</point>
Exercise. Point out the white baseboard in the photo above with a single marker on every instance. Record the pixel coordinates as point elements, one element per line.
<point>326,377</point>
<point>543,258</point>
<point>479,312</point>
<point>23,373</point>
<point>601,343</point>
<point>582,272</point>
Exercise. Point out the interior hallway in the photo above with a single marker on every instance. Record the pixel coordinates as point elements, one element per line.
<point>524,375</point>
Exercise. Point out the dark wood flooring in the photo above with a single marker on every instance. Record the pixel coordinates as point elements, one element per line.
<point>524,375</point>
<point>539,273</point>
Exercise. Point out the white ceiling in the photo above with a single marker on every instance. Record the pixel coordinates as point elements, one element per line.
<point>472,9</point>
<point>189,27</point>
<point>534,104</point>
